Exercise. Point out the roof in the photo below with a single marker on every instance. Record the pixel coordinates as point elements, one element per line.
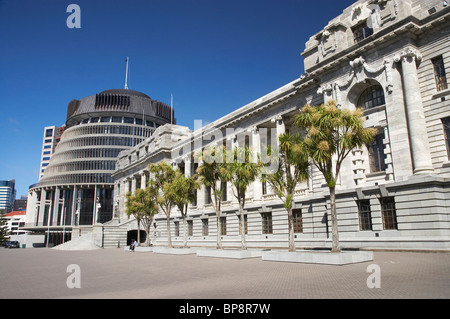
<point>16,213</point>
<point>125,92</point>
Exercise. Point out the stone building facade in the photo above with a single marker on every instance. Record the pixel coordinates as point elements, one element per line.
<point>388,57</point>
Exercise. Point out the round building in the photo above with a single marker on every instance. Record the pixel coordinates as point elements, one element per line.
<point>77,188</point>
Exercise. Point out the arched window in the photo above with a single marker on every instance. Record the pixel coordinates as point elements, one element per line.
<point>371,97</point>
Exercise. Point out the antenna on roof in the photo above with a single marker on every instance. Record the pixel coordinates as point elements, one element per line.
<point>171,108</point>
<point>126,75</point>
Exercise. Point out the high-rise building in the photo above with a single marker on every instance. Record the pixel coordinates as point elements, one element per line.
<point>52,136</point>
<point>77,187</point>
<point>7,195</point>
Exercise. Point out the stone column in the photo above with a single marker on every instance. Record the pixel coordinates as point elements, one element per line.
<point>42,207</point>
<point>187,166</point>
<point>418,137</point>
<point>256,148</point>
<point>133,184</point>
<point>55,206</point>
<point>201,192</point>
<point>143,180</point>
<point>280,127</point>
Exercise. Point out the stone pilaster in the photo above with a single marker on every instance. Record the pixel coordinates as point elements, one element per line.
<point>418,137</point>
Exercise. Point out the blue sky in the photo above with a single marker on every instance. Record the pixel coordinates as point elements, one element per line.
<point>213,56</point>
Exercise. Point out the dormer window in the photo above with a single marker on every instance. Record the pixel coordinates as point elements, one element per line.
<point>361,32</point>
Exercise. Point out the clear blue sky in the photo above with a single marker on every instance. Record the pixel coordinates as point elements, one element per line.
<point>213,56</point>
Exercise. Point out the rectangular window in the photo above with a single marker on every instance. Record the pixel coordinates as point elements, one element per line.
<point>267,223</point>
<point>205,227</point>
<point>376,154</point>
<point>297,220</point>
<point>388,213</point>
<point>264,188</point>
<point>439,73</point>
<point>49,132</point>
<point>361,32</point>
<point>223,189</point>
<point>177,228</point>
<point>190,227</point>
<point>446,125</point>
<point>365,215</point>
<point>223,225</point>
<point>208,198</point>
<point>245,225</point>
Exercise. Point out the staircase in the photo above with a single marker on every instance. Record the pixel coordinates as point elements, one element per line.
<point>83,242</point>
<point>115,234</point>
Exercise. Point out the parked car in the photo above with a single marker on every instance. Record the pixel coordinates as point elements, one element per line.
<point>13,244</point>
<point>5,243</point>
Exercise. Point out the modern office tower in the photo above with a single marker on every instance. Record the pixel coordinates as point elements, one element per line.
<point>52,136</point>
<point>7,195</point>
<point>77,188</point>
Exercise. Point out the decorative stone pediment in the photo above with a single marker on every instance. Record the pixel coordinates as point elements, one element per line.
<point>329,38</point>
<point>387,10</point>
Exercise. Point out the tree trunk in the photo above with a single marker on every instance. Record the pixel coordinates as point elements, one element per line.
<point>242,222</point>
<point>334,226</point>
<point>219,231</point>
<point>184,230</point>
<point>138,231</point>
<point>169,235</point>
<point>291,230</point>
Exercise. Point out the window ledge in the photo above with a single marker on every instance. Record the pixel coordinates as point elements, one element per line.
<point>446,164</point>
<point>441,94</point>
<point>374,109</point>
<point>376,174</point>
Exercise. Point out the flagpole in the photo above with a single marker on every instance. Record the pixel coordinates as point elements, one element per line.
<point>171,108</point>
<point>126,75</point>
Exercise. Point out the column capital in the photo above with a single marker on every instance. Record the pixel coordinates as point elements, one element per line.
<point>277,118</point>
<point>414,54</point>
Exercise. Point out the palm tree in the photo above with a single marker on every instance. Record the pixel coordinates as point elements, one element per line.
<point>143,206</point>
<point>331,134</point>
<point>211,174</point>
<point>241,173</point>
<point>292,168</point>
<point>183,190</point>
<point>162,176</point>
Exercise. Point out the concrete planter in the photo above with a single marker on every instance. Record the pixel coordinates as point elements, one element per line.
<point>319,257</point>
<point>174,251</point>
<point>229,253</point>
<point>140,249</point>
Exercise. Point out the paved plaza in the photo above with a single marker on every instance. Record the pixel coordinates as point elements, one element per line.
<point>115,273</point>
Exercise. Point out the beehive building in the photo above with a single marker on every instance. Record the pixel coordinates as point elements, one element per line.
<point>77,188</point>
